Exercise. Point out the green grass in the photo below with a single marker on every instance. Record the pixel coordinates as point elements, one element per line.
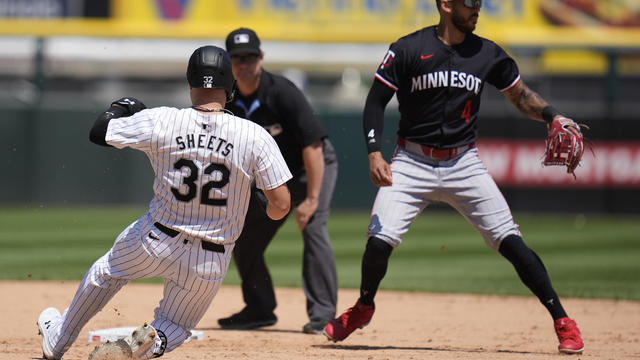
<point>587,256</point>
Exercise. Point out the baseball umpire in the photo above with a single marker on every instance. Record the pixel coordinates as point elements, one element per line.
<point>204,160</point>
<point>275,103</point>
<point>438,74</point>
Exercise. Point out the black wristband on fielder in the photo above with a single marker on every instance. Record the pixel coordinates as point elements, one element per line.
<point>548,113</point>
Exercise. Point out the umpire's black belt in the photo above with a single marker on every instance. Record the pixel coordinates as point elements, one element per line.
<point>206,245</point>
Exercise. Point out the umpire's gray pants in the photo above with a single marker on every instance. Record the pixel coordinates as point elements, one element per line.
<point>319,279</point>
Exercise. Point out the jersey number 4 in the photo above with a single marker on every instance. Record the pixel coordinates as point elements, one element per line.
<point>466,112</point>
<point>190,181</point>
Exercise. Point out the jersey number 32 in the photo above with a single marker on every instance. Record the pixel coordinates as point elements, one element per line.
<point>192,188</point>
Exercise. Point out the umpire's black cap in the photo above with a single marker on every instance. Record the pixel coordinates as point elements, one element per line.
<point>210,68</point>
<point>243,41</point>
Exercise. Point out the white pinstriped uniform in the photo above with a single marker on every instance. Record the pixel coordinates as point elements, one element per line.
<point>189,151</point>
<point>419,180</point>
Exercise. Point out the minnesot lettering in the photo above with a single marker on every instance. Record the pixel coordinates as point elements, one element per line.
<point>203,141</point>
<point>451,78</point>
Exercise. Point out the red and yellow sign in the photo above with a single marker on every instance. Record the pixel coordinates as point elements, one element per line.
<point>601,23</point>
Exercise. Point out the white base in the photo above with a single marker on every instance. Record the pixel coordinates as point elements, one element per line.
<point>113,334</point>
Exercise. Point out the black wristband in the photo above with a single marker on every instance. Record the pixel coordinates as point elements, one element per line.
<point>548,113</point>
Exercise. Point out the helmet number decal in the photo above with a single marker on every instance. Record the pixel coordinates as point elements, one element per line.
<point>207,82</point>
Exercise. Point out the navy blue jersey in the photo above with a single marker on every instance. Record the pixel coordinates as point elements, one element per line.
<point>438,86</point>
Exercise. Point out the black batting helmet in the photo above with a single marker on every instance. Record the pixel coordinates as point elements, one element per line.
<point>210,68</point>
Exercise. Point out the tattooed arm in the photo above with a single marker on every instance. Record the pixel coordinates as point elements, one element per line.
<point>530,103</point>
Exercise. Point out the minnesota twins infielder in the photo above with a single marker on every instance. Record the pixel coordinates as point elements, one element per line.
<point>204,160</point>
<point>437,74</point>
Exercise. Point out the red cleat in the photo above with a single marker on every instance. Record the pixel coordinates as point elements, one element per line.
<point>356,317</point>
<point>569,336</point>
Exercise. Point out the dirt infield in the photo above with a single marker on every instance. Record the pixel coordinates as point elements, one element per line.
<point>405,326</point>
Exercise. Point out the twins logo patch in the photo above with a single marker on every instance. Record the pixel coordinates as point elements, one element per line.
<point>387,59</point>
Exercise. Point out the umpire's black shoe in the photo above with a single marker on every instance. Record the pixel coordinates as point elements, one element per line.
<point>245,320</point>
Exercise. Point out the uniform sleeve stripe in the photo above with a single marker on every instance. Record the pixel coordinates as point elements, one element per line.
<point>513,84</point>
<point>386,82</point>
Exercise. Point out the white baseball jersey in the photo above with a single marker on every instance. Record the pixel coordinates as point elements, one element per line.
<point>204,164</point>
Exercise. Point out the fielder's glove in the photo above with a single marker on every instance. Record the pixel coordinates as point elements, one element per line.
<point>131,105</point>
<point>565,144</point>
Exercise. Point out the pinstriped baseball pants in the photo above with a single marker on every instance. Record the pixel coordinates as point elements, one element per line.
<point>192,277</point>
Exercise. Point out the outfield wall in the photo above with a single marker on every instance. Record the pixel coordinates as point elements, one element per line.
<point>61,58</point>
<point>48,159</point>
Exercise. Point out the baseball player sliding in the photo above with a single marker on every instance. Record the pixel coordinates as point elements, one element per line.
<point>205,160</point>
<point>438,74</point>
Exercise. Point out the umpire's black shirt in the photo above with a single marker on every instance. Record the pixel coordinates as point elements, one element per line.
<point>281,108</point>
<point>438,86</point>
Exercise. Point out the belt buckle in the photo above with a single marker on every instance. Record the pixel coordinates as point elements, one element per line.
<point>451,153</point>
<point>437,157</point>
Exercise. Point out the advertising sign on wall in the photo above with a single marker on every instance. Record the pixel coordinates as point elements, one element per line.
<point>545,22</point>
<point>519,164</point>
